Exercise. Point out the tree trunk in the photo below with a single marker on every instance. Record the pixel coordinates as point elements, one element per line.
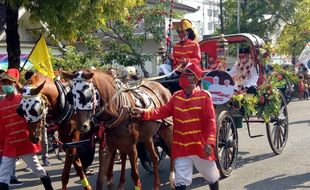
<point>294,59</point>
<point>12,38</point>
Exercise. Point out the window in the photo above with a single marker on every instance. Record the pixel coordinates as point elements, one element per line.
<point>210,12</point>
<point>210,26</point>
<point>216,13</point>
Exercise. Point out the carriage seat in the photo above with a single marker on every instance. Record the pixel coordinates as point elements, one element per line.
<point>142,99</point>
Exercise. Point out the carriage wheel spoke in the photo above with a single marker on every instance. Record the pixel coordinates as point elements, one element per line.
<point>274,131</point>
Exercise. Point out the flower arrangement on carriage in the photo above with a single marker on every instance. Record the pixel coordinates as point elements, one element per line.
<point>265,104</point>
<point>256,101</point>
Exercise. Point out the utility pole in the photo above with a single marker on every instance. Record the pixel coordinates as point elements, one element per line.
<point>238,16</point>
<point>238,25</point>
<point>221,16</point>
<point>203,18</point>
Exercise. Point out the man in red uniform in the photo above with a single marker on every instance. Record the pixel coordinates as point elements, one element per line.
<point>187,50</point>
<point>194,135</point>
<point>14,139</point>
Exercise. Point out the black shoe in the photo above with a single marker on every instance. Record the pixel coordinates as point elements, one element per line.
<point>4,186</point>
<point>214,186</point>
<point>182,187</point>
<point>47,182</point>
<point>46,162</point>
<point>15,182</point>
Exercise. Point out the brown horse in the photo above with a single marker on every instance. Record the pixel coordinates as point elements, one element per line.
<point>45,107</point>
<point>41,105</point>
<point>119,131</point>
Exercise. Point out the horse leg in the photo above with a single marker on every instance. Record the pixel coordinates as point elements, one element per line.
<point>80,171</point>
<point>150,147</point>
<point>104,160</point>
<point>133,157</point>
<point>66,170</point>
<point>167,136</point>
<point>121,184</point>
<point>110,170</point>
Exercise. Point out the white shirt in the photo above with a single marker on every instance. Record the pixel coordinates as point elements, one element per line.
<point>250,80</point>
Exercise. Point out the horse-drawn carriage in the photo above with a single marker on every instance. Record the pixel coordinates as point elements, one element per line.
<point>229,116</point>
<point>96,98</point>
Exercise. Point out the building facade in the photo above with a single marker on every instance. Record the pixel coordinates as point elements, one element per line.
<point>206,18</point>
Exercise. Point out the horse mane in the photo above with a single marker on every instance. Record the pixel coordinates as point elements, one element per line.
<point>106,87</point>
<point>49,89</point>
<point>37,78</point>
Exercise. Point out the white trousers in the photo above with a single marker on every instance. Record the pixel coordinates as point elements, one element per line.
<point>8,164</point>
<point>184,170</point>
<point>164,68</point>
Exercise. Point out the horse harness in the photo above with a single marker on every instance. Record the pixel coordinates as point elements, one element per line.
<point>37,107</point>
<point>124,100</point>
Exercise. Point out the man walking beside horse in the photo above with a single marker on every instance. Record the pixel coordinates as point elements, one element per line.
<point>14,141</point>
<point>194,134</point>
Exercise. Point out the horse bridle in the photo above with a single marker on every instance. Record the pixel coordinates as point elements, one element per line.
<point>43,102</point>
<point>85,100</point>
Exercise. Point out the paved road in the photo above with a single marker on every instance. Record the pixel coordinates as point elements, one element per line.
<point>257,167</point>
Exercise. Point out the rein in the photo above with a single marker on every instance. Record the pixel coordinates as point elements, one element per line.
<point>141,83</point>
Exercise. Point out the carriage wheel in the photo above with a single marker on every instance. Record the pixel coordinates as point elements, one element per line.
<point>277,129</point>
<point>148,165</point>
<point>227,144</point>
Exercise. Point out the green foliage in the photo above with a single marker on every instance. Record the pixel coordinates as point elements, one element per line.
<point>87,54</point>
<point>264,53</point>
<point>247,102</point>
<point>295,35</point>
<point>127,38</point>
<point>258,17</point>
<point>280,75</point>
<point>269,101</point>
<point>66,19</point>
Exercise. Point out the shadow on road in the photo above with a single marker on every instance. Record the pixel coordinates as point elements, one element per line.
<point>282,182</point>
<point>300,122</point>
<point>241,161</point>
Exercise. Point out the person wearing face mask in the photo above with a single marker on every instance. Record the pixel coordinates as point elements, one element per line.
<point>13,181</point>
<point>14,139</point>
<point>245,73</point>
<point>186,50</point>
<point>194,135</point>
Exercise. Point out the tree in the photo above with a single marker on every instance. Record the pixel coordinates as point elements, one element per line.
<point>86,53</point>
<point>126,38</point>
<point>262,17</point>
<point>65,19</point>
<point>296,33</point>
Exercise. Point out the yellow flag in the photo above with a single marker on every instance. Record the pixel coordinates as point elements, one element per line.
<point>40,58</point>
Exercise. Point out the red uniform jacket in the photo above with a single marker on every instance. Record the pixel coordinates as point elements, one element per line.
<point>194,122</point>
<point>188,50</point>
<point>14,135</point>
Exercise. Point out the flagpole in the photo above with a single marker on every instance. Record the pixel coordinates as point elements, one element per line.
<point>21,69</point>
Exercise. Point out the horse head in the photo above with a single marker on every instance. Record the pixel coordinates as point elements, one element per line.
<point>33,107</point>
<point>85,97</point>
